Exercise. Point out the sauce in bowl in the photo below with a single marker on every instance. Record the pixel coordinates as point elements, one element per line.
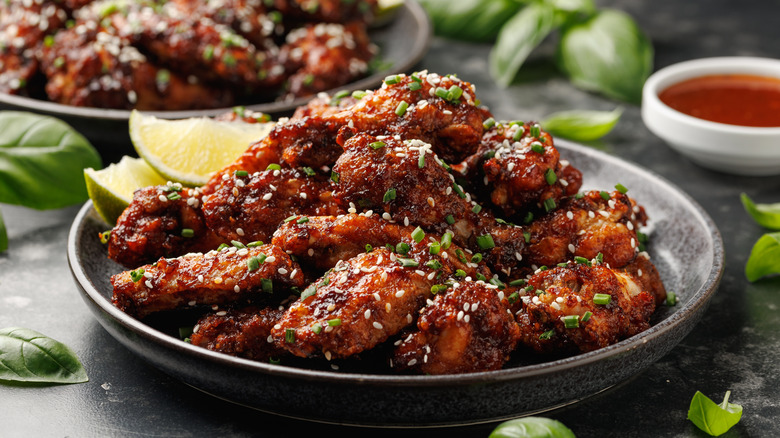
<point>734,99</point>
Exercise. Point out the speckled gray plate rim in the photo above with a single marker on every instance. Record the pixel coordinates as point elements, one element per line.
<point>406,39</point>
<point>667,331</point>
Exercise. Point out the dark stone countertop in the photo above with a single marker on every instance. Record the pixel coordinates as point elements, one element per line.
<point>735,347</point>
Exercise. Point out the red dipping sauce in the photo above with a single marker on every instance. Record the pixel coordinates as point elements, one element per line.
<point>734,99</point>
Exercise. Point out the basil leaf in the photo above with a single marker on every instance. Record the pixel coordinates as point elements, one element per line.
<point>42,161</point>
<point>28,356</point>
<point>581,125</point>
<point>470,20</point>
<point>711,418</point>
<point>3,235</point>
<point>532,427</point>
<point>606,53</point>
<point>764,257</point>
<point>766,215</point>
<point>519,36</point>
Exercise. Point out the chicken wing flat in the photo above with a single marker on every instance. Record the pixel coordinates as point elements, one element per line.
<point>467,329</point>
<point>213,278</point>
<point>161,221</point>
<point>241,332</point>
<point>330,11</point>
<point>580,308</point>
<point>250,207</point>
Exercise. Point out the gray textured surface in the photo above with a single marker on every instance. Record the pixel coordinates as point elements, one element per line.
<point>736,346</point>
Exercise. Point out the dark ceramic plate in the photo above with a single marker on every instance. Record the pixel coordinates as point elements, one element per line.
<point>684,243</point>
<point>402,42</point>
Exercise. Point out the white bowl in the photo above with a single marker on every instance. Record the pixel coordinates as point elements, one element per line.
<point>741,150</point>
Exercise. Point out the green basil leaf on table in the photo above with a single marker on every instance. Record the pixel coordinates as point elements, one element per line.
<point>606,53</point>
<point>581,125</point>
<point>28,356</point>
<point>532,427</point>
<point>470,20</point>
<point>764,257</point>
<point>712,418</point>
<point>766,215</point>
<point>42,161</point>
<point>519,36</point>
<point>3,235</point>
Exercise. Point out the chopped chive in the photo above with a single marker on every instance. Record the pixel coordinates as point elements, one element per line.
<point>671,298</point>
<point>537,147</point>
<point>446,240</point>
<point>418,234</point>
<point>400,110</point>
<point>549,204</point>
<point>254,244</point>
<point>290,218</point>
<point>273,166</point>
<point>542,268</point>
<point>309,291</point>
<point>408,263</point>
<point>582,260</point>
<point>571,321</point>
<point>528,218</point>
<point>563,265</point>
<point>341,94</point>
<point>316,328</point>
<point>402,248</point>
<point>518,134</point>
<point>416,78</point>
<point>536,130</point>
<point>389,195</point>
<point>253,264</point>
<point>377,145</point>
<point>460,273</point>
<point>449,219</point>
<point>309,171</point>
<point>579,195</point>
<point>174,196</point>
<point>222,246</point>
<point>476,258</point>
<point>518,282</point>
<point>414,86</point>
<point>621,188</point>
<point>421,160</point>
<point>477,208</point>
<point>241,173</point>
<point>434,264</point>
<point>480,277</point>
<point>267,285</point>
<point>550,176</point>
<point>454,93</point>
<point>137,275</point>
<point>390,247</point>
<point>602,299</point>
<point>600,258</point>
<point>335,322</point>
<point>434,248</point>
<point>302,220</point>
<point>458,190</point>
<point>459,254</point>
<point>513,297</point>
<point>527,236</point>
<point>604,195</point>
<point>359,94</point>
<point>334,176</point>
<point>187,232</point>
<point>496,282</point>
<point>369,247</point>
<point>436,288</point>
<point>392,79</point>
<point>289,335</point>
<point>528,288</point>
<point>208,52</point>
<point>441,92</point>
<point>489,154</point>
<point>547,335</point>
<point>586,316</point>
<point>489,123</point>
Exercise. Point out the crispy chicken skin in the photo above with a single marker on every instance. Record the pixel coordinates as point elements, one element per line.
<point>251,207</point>
<point>241,332</point>
<point>646,274</point>
<point>568,291</point>
<point>466,329</point>
<point>587,226</point>
<point>153,225</point>
<point>216,277</point>
<point>331,11</point>
<point>520,169</point>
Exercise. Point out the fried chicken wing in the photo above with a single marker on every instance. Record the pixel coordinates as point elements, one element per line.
<point>559,313</point>
<point>597,222</point>
<point>467,329</point>
<point>332,11</point>
<point>250,207</point>
<point>216,277</point>
<point>241,332</point>
<point>154,225</point>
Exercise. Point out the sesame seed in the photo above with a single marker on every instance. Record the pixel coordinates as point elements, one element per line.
<point>388,307</point>
<point>162,198</point>
<point>236,289</point>
<point>510,166</point>
<point>425,359</point>
<point>400,293</point>
<point>466,307</point>
<point>572,248</point>
<point>409,318</point>
<point>270,339</point>
<point>293,273</point>
<point>460,315</point>
<point>192,303</point>
<point>570,215</point>
<point>267,196</point>
<point>367,313</point>
<point>466,318</point>
<point>639,272</point>
<point>200,278</point>
<point>413,362</point>
<point>303,195</point>
<point>270,259</point>
<point>310,252</point>
<point>630,226</point>
<point>377,297</point>
<point>518,256</point>
<point>331,307</point>
<point>221,313</point>
<point>633,243</point>
<point>386,216</point>
<point>240,231</point>
<point>148,283</point>
<point>377,325</point>
<point>604,213</point>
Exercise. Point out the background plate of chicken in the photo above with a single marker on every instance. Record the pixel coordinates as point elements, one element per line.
<point>341,270</point>
<point>89,62</point>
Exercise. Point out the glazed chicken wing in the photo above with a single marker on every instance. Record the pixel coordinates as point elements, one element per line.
<point>467,329</point>
<point>216,277</point>
<point>241,332</point>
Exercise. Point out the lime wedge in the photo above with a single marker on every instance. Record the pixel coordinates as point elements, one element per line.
<point>190,150</point>
<point>111,189</point>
